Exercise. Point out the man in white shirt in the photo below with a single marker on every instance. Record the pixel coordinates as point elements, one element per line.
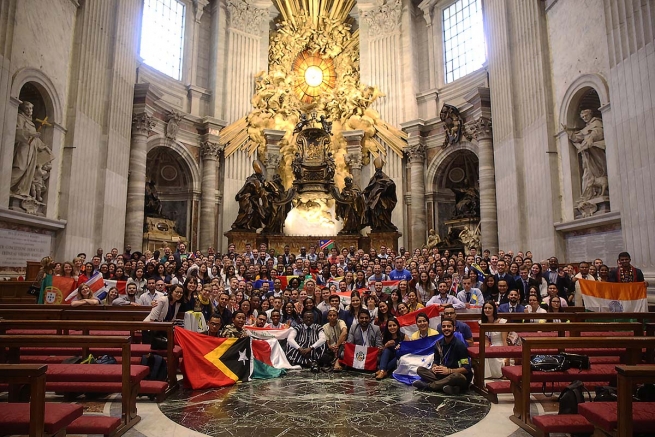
<point>470,296</point>
<point>582,274</point>
<point>443,298</point>
<point>154,290</point>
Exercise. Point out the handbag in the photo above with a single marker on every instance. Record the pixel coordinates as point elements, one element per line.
<point>549,363</point>
<point>159,342</point>
<point>577,361</point>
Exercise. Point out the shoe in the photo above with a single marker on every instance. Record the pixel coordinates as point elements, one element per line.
<point>451,389</point>
<point>381,375</point>
<point>337,369</point>
<point>420,384</point>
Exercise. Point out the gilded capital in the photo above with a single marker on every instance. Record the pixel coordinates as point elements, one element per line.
<point>143,124</point>
<point>479,129</point>
<point>384,19</point>
<point>210,150</point>
<point>354,160</point>
<point>416,153</point>
<point>245,17</point>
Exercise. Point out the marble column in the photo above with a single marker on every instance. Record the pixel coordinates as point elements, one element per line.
<point>480,129</point>
<point>416,153</point>
<point>210,153</point>
<point>273,157</point>
<point>354,154</point>
<point>142,125</point>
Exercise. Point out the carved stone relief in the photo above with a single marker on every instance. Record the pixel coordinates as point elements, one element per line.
<point>245,17</point>
<point>384,19</point>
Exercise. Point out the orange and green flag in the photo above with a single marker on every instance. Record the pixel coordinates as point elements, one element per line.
<point>212,361</point>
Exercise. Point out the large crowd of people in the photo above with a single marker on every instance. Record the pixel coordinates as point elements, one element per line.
<point>259,287</point>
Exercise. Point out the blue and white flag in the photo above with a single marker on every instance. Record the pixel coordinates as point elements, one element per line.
<point>414,354</point>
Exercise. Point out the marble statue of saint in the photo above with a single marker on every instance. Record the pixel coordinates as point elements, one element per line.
<point>29,152</point>
<point>470,238</point>
<point>252,201</point>
<point>433,239</point>
<point>380,195</point>
<point>590,145</point>
<point>351,207</point>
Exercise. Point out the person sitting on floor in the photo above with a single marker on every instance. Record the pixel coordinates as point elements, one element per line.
<point>335,336</point>
<point>215,324</point>
<point>235,329</point>
<point>460,327</point>
<point>451,371</point>
<point>306,342</point>
<point>391,343</point>
<point>364,333</point>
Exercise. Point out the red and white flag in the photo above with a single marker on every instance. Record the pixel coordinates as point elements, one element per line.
<point>360,357</point>
<point>408,321</point>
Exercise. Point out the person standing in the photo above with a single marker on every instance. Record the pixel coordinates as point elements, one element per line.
<point>626,272</point>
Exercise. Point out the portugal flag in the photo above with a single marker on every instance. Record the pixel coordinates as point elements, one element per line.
<point>214,362</point>
<point>55,290</point>
<point>360,357</point>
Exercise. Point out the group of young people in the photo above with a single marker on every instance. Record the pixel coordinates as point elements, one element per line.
<point>262,288</point>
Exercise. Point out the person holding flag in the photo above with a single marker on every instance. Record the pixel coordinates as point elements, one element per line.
<point>84,297</point>
<point>451,371</point>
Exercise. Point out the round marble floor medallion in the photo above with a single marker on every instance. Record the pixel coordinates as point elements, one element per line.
<point>344,404</point>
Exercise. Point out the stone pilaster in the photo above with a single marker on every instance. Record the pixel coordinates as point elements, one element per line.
<point>142,125</point>
<point>480,129</point>
<point>273,157</point>
<point>416,154</point>
<point>210,152</point>
<point>354,154</point>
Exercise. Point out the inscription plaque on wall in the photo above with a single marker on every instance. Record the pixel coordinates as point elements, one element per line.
<point>17,247</point>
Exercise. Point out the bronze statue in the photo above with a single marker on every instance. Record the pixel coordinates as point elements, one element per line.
<point>351,207</point>
<point>381,199</point>
<point>252,201</point>
<point>152,202</point>
<point>279,204</point>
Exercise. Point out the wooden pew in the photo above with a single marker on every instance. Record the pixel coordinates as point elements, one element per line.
<point>63,327</point>
<point>35,376</point>
<point>33,306</point>
<point>521,416</point>
<point>560,328</point>
<point>627,377</point>
<point>44,313</point>
<point>129,385</point>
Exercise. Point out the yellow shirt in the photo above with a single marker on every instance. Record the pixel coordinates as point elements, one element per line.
<point>417,334</point>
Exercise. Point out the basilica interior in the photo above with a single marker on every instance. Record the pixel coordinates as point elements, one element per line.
<point>515,125</point>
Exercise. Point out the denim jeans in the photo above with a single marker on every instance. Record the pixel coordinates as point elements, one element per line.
<point>388,360</point>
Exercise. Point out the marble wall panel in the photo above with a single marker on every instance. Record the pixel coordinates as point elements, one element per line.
<point>599,243</point>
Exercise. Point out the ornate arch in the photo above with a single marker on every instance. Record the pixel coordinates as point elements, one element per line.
<point>445,154</point>
<point>183,152</point>
<point>44,85</point>
<point>576,90</point>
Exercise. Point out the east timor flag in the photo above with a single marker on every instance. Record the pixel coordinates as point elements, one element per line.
<point>214,362</point>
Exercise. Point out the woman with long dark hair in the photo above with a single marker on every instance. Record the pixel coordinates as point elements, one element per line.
<point>391,343</point>
<point>489,314</point>
<point>289,315</point>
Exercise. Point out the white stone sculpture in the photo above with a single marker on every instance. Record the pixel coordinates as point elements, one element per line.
<point>31,163</point>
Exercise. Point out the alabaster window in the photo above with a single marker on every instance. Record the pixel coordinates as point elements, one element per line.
<point>463,36</point>
<point>162,36</point>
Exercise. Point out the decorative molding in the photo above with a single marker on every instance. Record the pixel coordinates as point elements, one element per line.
<point>416,153</point>
<point>384,19</point>
<point>245,17</point>
<point>210,150</point>
<point>143,124</point>
<point>589,222</point>
<point>427,6</point>
<point>173,124</point>
<point>199,8</point>
<point>479,129</point>
<point>23,218</point>
<point>354,160</point>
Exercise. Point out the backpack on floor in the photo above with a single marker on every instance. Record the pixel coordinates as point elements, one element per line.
<point>571,396</point>
<point>157,366</point>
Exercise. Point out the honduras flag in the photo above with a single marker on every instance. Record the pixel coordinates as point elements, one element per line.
<point>414,354</point>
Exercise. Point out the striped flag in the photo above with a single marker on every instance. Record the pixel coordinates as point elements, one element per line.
<point>387,286</point>
<point>614,297</point>
<point>408,321</point>
<point>269,360</point>
<point>96,283</point>
<point>268,333</point>
<point>326,244</point>
<point>360,357</point>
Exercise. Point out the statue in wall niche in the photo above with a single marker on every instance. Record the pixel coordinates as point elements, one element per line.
<point>252,200</point>
<point>470,238</point>
<point>380,195</point>
<point>173,125</point>
<point>590,144</point>
<point>467,202</point>
<point>351,207</point>
<point>32,157</point>
<point>152,202</point>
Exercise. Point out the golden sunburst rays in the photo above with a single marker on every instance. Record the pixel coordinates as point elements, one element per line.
<point>315,76</point>
<point>315,10</point>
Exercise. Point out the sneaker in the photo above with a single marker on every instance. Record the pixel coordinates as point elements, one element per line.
<point>451,389</point>
<point>420,384</point>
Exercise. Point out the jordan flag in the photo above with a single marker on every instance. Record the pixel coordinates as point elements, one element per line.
<point>360,357</point>
<point>214,362</point>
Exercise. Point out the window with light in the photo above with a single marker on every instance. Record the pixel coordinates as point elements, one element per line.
<point>463,36</point>
<point>162,36</point>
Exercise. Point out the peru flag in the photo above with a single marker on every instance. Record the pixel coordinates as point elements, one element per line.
<point>360,357</point>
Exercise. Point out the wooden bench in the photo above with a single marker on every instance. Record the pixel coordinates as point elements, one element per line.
<point>66,327</point>
<point>37,418</point>
<point>70,313</point>
<point>624,417</point>
<point>479,353</point>
<point>521,376</point>
<point>121,378</point>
